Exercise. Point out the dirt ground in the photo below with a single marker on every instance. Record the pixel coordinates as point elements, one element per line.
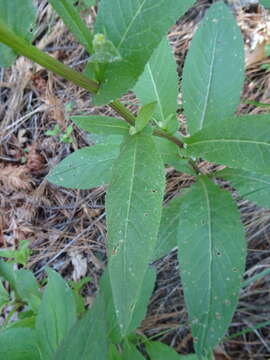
<point>66,228</point>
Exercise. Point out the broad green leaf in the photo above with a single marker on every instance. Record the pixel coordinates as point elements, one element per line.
<point>265,3</point>
<point>29,322</point>
<point>103,125</point>
<point>167,236</point>
<point>171,156</point>
<point>4,296</point>
<point>144,116</point>
<point>20,19</point>
<point>135,27</point>
<point>133,208</point>
<point>139,310</point>
<point>105,139</point>
<point>57,314</point>
<point>159,82</point>
<point>251,186</point>
<point>213,74</point>
<point>28,288</point>
<point>19,344</point>
<point>71,17</point>
<point>87,340</point>
<point>211,251</point>
<point>241,142</point>
<point>159,351</point>
<point>85,168</point>
<point>7,273</point>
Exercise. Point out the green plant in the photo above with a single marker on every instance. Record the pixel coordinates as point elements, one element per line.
<point>129,50</point>
<point>64,136</point>
<point>43,318</point>
<point>265,3</point>
<point>19,256</point>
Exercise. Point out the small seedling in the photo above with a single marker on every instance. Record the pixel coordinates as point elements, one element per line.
<point>19,256</point>
<point>64,136</point>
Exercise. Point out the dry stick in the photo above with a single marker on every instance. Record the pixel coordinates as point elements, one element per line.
<point>22,47</point>
<point>70,243</point>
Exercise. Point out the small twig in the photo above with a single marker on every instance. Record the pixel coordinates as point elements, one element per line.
<point>70,243</point>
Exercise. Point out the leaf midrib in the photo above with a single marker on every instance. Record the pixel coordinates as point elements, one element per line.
<point>130,194</point>
<point>228,141</point>
<point>156,92</point>
<point>204,335</point>
<point>209,84</point>
<point>248,178</point>
<point>130,24</point>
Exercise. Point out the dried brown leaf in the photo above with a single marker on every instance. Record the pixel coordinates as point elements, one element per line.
<point>16,177</point>
<point>79,265</point>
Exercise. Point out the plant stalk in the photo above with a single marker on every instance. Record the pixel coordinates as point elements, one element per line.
<point>22,47</point>
<point>164,134</point>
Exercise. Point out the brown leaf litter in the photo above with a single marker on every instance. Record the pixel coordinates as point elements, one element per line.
<point>66,228</point>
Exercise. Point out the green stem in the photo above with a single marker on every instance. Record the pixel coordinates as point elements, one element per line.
<point>164,134</point>
<point>123,111</point>
<point>22,47</point>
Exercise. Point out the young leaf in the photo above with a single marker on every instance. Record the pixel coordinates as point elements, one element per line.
<point>144,116</point>
<point>171,156</point>
<point>103,125</point>
<point>251,186</point>
<point>104,50</point>
<point>57,314</point>
<point>159,351</point>
<point>159,82</point>
<point>213,74</point>
<point>85,168</point>
<point>20,255</point>
<point>27,288</point>
<point>239,142</point>
<point>88,338</point>
<point>133,214</point>
<point>71,17</point>
<point>211,250</point>
<point>19,19</point>
<point>135,28</point>
<point>19,344</point>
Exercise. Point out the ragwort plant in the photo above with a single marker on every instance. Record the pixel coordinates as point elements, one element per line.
<point>128,49</point>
